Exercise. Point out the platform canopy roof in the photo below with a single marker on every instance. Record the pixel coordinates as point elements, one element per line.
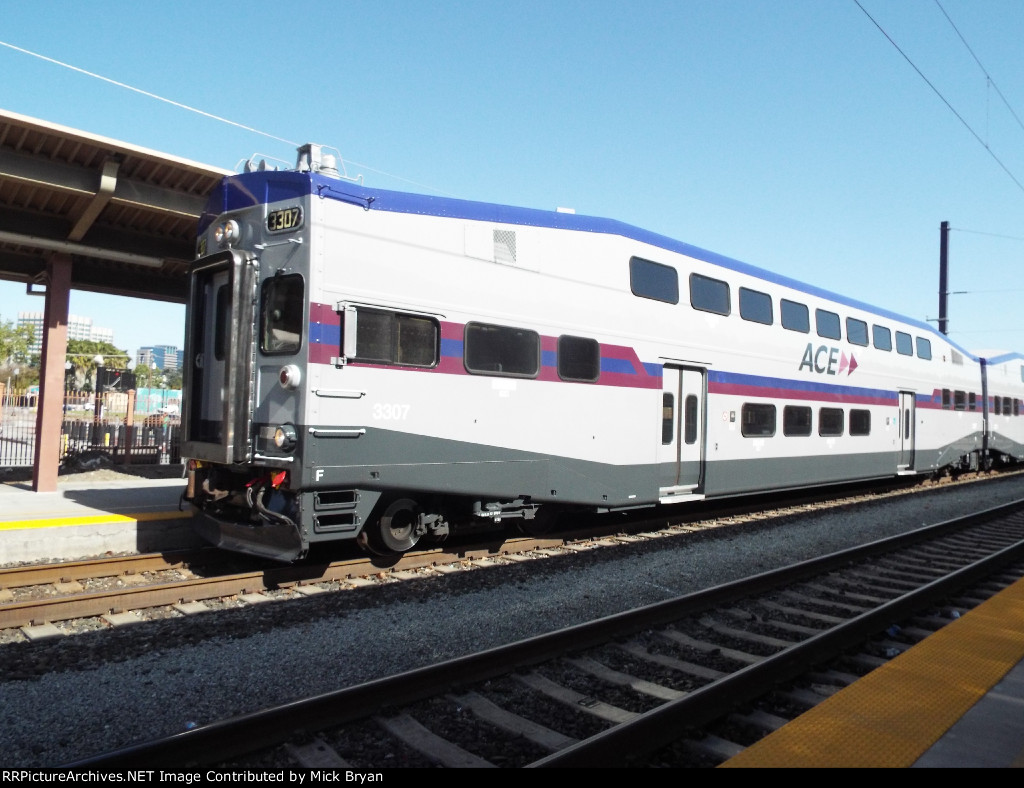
<point>126,215</point>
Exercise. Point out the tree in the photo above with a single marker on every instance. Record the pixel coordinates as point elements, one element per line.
<point>14,343</point>
<point>173,377</point>
<point>82,355</point>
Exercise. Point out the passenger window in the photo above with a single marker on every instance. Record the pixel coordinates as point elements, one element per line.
<point>959,400</point>
<point>579,359</point>
<point>668,432</point>
<point>995,406</point>
<point>653,280</point>
<point>709,295</point>
<point>756,306</point>
<point>501,350</point>
<point>757,420</point>
<point>690,428</point>
<point>1016,407</point>
<point>924,348</point>
<point>881,337</point>
<point>385,337</point>
<point>1006,407</point>
<point>796,420</point>
<point>827,324</point>
<point>972,401</point>
<point>830,422</point>
<point>860,422</point>
<point>222,322</point>
<point>946,399</point>
<point>856,332</point>
<point>281,313</point>
<point>904,344</point>
<point>795,317</point>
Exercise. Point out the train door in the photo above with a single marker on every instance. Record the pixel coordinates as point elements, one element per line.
<point>905,443</point>
<point>681,454</point>
<point>218,362</point>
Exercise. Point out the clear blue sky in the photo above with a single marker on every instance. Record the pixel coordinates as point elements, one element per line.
<point>790,134</point>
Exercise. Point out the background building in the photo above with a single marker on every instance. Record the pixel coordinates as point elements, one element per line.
<point>165,357</point>
<point>78,328</point>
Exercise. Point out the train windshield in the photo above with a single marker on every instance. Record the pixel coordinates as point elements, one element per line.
<point>281,314</point>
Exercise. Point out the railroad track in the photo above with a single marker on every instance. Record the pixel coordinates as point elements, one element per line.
<point>686,682</point>
<point>117,590</point>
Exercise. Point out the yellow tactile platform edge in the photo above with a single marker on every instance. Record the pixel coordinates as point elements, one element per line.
<point>92,519</point>
<point>890,717</point>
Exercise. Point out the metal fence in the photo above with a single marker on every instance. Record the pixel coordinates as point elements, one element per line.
<point>92,425</point>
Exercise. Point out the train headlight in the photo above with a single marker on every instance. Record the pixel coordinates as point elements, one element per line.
<point>290,376</point>
<point>285,437</point>
<point>227,233</point>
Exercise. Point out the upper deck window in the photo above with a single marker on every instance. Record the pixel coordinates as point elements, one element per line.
<point>756,306</point>
<point>709,295</point>
<point>827,324</point>
<point>653,280</point>
<point>856,331</point>
<point>924,348</point>
<point>282,308</point>
<point>881,337</point>
<point>904,344</point>
<point>795,316</point>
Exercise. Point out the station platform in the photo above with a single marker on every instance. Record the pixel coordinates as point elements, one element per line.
<point>120,514</point>
<point>954,700</point>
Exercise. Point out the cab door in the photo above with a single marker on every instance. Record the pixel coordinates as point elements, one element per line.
<point>681,453</point>
<point>217,374</point>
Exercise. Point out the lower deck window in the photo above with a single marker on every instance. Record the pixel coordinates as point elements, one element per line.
<point>757,420</point>
<point>830,422</point>
<point>386,337</point>
<point>579,359</point>
<point>860,422</point>
<point>796,420</point>
<point>502,350</point>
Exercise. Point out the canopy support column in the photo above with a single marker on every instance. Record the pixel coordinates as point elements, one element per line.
<point>46,461</point>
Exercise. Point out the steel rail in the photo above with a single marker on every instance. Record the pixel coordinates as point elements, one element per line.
<point>220,741</point>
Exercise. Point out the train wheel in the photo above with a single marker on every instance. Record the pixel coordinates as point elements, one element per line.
<point>397,530</point>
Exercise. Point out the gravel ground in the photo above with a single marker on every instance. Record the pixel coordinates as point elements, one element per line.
<point>66,699</point>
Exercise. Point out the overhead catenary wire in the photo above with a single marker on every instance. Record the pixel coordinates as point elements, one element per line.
<point>984,71</point>
<point>941,97</point>
<point>198,111</point>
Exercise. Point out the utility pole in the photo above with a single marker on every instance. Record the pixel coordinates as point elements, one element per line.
<point>943,276</point>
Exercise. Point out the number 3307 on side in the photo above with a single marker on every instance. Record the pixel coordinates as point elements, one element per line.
<point>284,219</point>
<point>390,412</point>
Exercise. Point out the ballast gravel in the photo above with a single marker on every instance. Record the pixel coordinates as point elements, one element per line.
<point>66,699</point>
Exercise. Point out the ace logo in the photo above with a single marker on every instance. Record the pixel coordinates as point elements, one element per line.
<point>827,360</point>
